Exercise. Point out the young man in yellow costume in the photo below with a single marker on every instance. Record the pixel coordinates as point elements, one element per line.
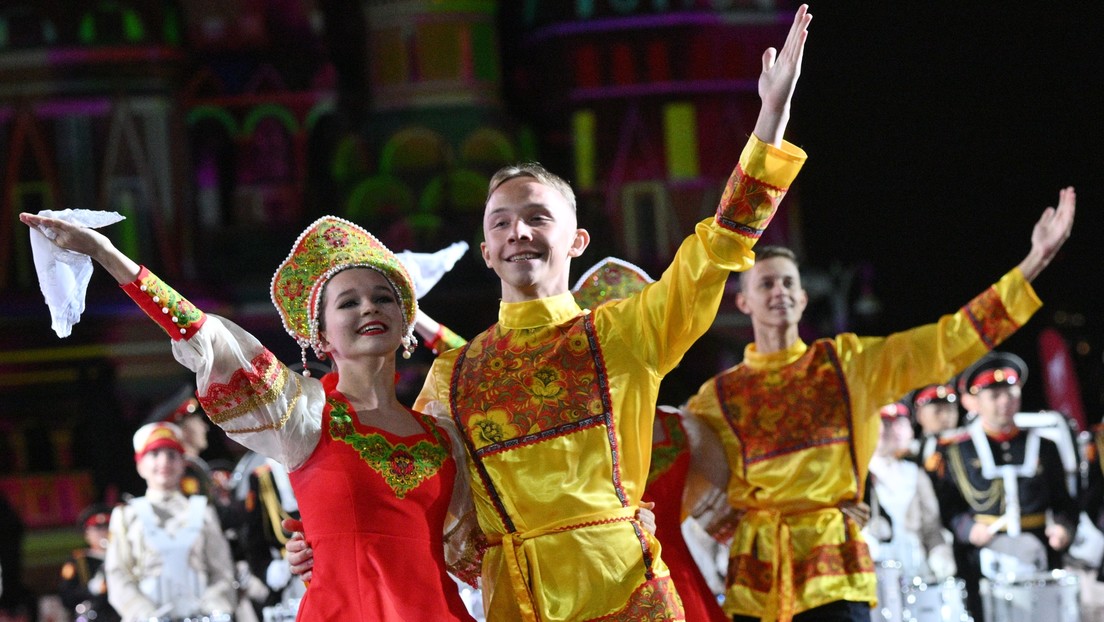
<point>556,404</point>
<point>799,423</point>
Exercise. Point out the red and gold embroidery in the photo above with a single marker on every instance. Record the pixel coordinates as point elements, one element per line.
<point>247,390</point>
<point>748,204</point>
<point>514,387</point>
<point>665,454</point>
<point>655,600</point>
<point>172,312</point>
<point>748,571</point>
<point>403,467</point>
<point>851,557</point>
<point>990,318</point>
<point>776,412</point>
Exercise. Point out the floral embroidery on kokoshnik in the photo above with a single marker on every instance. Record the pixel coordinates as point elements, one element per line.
<point>403,467</point>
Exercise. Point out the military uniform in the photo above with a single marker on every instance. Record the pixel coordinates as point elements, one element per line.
<point>83,586</point>
<point>1009,481</point>
<point>927,442</point>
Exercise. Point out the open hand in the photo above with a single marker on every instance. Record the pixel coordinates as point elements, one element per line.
<point>781,69</point>
<point>1054,225</point>
<point>66,235</point>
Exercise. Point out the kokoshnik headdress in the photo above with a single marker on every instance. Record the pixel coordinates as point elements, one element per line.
<point>327,247</point>
<point>609,279</point>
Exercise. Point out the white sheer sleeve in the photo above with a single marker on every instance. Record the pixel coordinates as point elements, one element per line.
<point>249,393</point>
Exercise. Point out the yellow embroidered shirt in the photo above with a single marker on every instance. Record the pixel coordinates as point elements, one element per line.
<point>799,428</point>
<point>556,406</point>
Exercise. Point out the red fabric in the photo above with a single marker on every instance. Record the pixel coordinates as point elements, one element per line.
<point>376,557</point>
<point>665,489</point>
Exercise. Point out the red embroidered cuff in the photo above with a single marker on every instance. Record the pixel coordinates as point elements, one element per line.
<point>990,318</point>
<point>748,204</point>
<point>178,317</point>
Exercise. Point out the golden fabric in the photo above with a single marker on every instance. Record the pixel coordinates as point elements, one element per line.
<point>799,427</point>
<point>556,406</point>
<point>1027,521</point>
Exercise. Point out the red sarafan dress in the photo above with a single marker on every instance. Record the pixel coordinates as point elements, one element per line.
<point>666,483</point>
<point>373,507</point>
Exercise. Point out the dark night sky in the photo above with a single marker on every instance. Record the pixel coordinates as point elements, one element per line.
<point>937,132</point>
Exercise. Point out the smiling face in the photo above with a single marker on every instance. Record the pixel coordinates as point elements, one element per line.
<point>771,293</point>
<point>361,315</point>
<point>162,468</point>
<point>531,234</point>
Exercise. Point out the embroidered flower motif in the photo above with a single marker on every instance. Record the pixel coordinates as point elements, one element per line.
<point>336,237</point>
<point>545,386</point>
<point>402,463</point>
<point>492,427</point>
<point>403,467</point>
<point>578,343</point>
<point>558,389</point>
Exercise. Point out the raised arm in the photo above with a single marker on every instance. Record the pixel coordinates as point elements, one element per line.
<point>778,79</point>
<point>1049,234</point>
<point>87,242</point>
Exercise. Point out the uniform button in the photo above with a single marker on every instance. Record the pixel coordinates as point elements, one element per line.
<point>1005,446</point>
<point>1007,458</point>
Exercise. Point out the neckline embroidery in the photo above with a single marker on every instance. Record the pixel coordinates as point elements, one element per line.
<point>402,466</point>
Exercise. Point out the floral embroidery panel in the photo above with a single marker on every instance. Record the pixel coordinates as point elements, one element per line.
<point>514,387</point>
<point>781,411</point>
<point>403,467</point>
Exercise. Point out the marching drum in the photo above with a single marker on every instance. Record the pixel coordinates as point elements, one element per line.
<point>281,612</point>
<point>890,586</point>
<point>935,601</point>
<point>1053,596</point>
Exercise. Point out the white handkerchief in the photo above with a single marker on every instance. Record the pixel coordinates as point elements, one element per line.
<point>63,275</point>
<point>428,268</point>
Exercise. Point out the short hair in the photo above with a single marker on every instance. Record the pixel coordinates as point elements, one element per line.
<point>537,172</point>
<point>770,252</point>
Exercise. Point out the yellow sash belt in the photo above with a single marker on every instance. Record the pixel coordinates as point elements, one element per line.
<point>781,599</point>
<point>517,561</point>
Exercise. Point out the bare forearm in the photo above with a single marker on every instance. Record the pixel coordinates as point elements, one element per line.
<point>123,268</point>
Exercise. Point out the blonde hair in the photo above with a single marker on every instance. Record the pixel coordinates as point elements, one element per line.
<point>537,172</point>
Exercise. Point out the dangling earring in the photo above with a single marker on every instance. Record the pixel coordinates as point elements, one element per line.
<point>408,345</point>
<point>303,352</point>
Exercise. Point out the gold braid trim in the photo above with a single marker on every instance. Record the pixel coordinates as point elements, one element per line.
<point>269,395</point>
<point>283,420</point>
<point>270,501</point>
<point>979,500</point>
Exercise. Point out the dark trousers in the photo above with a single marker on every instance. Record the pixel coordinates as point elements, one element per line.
<point>838,611</point>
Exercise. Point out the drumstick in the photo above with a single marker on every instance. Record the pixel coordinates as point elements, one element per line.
<point>998,524</point>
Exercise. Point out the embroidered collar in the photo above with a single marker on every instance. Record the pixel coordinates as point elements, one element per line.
<point>774,360</point>
<point>536,313</point>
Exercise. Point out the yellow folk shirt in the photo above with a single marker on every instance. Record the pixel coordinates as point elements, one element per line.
<point>799,428</point>
<point>556,406</point>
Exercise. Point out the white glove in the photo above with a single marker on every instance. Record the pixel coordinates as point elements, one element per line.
<point>278,574</point>
<point>427,268</point>
<point>941,561</point>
